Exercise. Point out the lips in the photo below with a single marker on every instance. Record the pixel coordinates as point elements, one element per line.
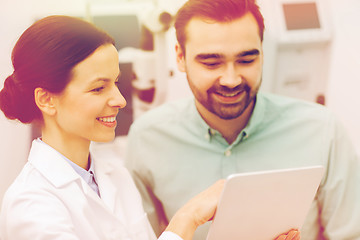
<point>108,121</point>
<point>228,94</point>
<point>230,97</point>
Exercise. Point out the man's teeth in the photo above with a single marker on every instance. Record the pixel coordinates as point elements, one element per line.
<point>107,119</point>
<point>228,94</point>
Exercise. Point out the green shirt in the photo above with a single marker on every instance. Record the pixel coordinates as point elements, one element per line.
<point>174,155</point>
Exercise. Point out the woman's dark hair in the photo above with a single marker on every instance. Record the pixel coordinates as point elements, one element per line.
<point>44,57</point>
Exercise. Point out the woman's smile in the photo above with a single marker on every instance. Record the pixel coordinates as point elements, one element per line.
<point>108,121</point>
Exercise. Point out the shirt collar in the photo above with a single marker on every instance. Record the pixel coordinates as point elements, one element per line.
<point>257,115</point>
<point>254,121</point>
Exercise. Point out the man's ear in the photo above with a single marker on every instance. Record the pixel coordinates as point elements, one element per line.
<point>180,58</point>
<point>45,101</point>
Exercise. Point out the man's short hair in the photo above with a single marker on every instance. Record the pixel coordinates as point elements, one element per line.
<point>215,10</point>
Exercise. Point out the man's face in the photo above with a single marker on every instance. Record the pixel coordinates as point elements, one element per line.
<point>223,63</point>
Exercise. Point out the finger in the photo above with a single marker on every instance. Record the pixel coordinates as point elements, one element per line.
<point>292,235</point>
<point>281,237</point>
<point>203,205</point>
<point>297,237</point>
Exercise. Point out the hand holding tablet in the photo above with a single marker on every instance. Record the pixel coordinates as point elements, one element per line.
<point>262,205</point>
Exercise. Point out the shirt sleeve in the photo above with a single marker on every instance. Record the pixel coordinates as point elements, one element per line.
<point>143,180</point>
<point>167,235</point>
<point>339,197</point>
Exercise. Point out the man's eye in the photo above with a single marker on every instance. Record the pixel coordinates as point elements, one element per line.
<point>211,64</point>
<point>99,89</point>
<point>246,61</point>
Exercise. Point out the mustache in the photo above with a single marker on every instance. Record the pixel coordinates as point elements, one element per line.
<point>224,89</point>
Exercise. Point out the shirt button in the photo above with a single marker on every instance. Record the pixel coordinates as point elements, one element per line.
<point>245,135</point>
<point>227,152</point>
<point>212,131</point>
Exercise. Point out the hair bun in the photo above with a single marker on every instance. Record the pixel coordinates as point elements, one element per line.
<point>13,102</point>
<point>7,97</point>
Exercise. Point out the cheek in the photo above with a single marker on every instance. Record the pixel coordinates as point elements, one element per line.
<point>253,74</point>
<point>201,78</point>
<point>83,109</point>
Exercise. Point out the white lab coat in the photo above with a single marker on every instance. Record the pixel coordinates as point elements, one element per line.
<point>49,200</point>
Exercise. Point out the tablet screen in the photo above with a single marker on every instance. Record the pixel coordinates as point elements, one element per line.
<point>263,205</point>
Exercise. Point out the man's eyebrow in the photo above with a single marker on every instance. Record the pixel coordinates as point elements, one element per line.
<point>204,56</point>
<point>253,52</point>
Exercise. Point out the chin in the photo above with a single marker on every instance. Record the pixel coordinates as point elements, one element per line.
<point>104,139</point>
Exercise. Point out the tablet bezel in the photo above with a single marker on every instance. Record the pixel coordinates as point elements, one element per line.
<point>273,202</point>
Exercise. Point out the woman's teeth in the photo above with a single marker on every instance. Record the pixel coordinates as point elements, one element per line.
<point>107,119</point>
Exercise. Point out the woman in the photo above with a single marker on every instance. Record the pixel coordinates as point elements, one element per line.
<point>65,79</point>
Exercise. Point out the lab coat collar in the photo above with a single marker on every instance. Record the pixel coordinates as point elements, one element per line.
<point>51,165</point>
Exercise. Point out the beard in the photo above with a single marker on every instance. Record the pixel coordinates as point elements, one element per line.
<point>223,110</point>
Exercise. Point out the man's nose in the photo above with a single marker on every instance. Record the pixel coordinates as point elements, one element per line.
<point>230,77</point>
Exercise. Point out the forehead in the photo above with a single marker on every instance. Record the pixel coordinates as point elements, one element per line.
<point>102,63</point>
<point>209,36</point>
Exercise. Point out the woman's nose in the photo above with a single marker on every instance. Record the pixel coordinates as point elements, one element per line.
<point>117,99</point>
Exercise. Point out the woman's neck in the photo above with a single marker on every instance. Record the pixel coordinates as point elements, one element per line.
<point>75,149</point>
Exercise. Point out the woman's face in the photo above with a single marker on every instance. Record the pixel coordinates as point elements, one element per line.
<point>88,106</point>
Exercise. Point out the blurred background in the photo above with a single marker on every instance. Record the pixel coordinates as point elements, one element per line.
<point>311,49</point>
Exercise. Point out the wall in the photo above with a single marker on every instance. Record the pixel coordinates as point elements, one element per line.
<point>344,83</point>
<point>15,17</point>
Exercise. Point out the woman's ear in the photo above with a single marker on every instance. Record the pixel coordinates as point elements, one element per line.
<point>180,58</point>
<point>45,101</point>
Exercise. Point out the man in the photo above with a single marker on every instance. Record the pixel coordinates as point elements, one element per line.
<point>180,148</point>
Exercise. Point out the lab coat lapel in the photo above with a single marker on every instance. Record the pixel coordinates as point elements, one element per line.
<point>107,188</point>
<point>53,167</point>
<point>51,164</point>
<point>119,193</point>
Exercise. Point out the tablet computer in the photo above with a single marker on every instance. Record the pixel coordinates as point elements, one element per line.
<point>263,205</point>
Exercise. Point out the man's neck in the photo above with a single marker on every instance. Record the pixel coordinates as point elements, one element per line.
<point>229,128</point>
